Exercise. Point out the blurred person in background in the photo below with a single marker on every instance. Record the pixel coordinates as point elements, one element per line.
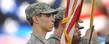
<point>41,18</point>
<point>58,28</point>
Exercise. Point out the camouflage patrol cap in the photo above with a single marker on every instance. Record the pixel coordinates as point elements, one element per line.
<point>60,14</point>
<point>59,17</point>
<point>38,8</point>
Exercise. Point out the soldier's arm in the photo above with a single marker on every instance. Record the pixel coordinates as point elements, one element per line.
<point>85,39</point>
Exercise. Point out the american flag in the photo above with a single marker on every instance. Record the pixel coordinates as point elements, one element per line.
<point>72,13</point>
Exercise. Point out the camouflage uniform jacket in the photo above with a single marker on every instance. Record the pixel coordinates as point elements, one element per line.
<point>37,40</point>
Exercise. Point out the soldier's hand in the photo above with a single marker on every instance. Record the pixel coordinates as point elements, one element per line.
<point>88,32</point>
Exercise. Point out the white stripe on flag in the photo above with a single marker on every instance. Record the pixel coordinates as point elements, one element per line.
<point>68,23</point>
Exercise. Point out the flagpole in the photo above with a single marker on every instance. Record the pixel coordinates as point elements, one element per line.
<point>91,34</point>
<point>92,19</point>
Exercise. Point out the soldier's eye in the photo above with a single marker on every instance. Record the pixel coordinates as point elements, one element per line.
<point>48,15</point>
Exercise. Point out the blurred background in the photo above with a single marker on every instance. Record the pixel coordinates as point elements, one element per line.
<point>14,28</point>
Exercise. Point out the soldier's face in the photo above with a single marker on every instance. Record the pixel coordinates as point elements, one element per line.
<point>46,22</point>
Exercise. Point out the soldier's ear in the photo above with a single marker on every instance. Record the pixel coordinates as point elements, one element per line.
<point>35,19</point>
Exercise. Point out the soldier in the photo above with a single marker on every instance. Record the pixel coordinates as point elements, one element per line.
<point>41,18</point>
<point>58,26</point>
<point>85,39</point>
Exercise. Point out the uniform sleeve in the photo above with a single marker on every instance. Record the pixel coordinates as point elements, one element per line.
<point>53,39</point>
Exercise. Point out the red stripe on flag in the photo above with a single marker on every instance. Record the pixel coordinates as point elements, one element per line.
<point>75,17</point>
<point>67,8</point>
